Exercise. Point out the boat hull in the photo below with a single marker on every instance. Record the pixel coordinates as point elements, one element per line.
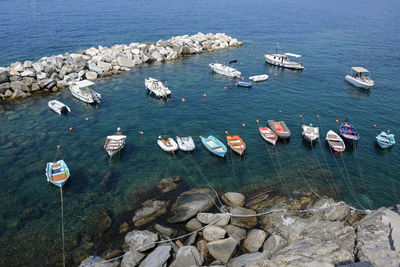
<point>349,133</point>
<point>236,144</point>
<point>218,151</point>
<point>225,70</point>
<point>244,84</point>
<point>87,98</point>
<point>170,148</point>
<point>268,135</point>
<point>310,133</point>
<point>385,140</point>
<point>335,142</point>
<point>279,128</point>
<point>258,78</point>
<point>295,66</point>
<point>185,144</point>
<point>58,107</point>
<point>54,178</point>
<point>358,83</point>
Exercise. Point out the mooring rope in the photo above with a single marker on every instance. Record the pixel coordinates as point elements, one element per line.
<point>62,224</point>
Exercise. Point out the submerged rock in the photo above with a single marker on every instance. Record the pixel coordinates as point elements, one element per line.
<point>213,232</point>
<point>245,222</point>
<point>234,199</point>
<point>132,259</point>
<point>98,262</point>
<point>151,209</point>
<point>168,184</point>
<point>140,240</point>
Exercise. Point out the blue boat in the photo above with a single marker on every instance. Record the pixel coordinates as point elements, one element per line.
<point>244,84</point>
<point>349,132</point>
<point>385,139</point>
<point>57,173</point>
<point>214,145</point>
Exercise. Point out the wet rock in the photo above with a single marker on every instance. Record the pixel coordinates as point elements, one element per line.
<point>110,254</point>
<point>301,203</point>
<point>234,199</point>
<point>158,257</point>
<point>138,240</point>
<point>91,75</point>
<point>207,218</point>
<point>254,240</point>
<point>239,232</point>
<point>189,203</point>
<point>338,212</point>
<point>273,244</point>
<point>213,232</point>
<point>187,256</point>
<point>150,210</point>
<point>193,225</point>
<point>222,249</point>
<point>8,93</point>
<point>132,259</point>
<point>168,231</point>
<point>18,94</point>
<point>4,75</point>
<point>4,87</point>
<point>103,220</point>
<point>245,222</point>
<point>168,184</point>
<point>123,228</point>
<point>98,262</point>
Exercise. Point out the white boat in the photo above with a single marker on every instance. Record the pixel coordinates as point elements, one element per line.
<point>81,91</point>
<point>225,70</point>
<point>167,144</point>
<point>310,133</point>
<point>185,143</point>
<point>157,88</point>
<point>115,143</point>
<point>283,60</point>
<point>360,77</point>
<point>335,142</point>
<point>258,78</point>
<point>58,107</point>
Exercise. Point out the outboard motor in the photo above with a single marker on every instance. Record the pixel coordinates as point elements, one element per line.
<point>95,97</point>
<point>64,110</point>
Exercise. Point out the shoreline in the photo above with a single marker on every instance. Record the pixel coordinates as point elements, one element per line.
<point>49,74</point>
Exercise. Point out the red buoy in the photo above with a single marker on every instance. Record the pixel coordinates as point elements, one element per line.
<point>87,118</point>
<point>257,121</point>
<point>183,100</point>
<point>58,147</point>
<point>337,121</point>
<point>276,74</point>
<point>374,125</point>
<point>300,116</point>
<point>70,128</point>
<point>242,78</point>
<point>141,132</point>
<point>244,124</point>
<point>317,116</point>
<point>205,95</point>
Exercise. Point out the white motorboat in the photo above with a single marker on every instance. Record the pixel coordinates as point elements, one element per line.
<point>360,77</point>
<point>225,70</point>
<point>167,144</point>
<point>59,107</point>
<point>82,91</point>
<point>115,143</point>
<point>258,78</point>
<point>157,88</point>
<point>283,60</point>
<point>185,143</point>
<point>310,133</point>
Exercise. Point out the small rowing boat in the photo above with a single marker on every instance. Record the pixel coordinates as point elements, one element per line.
<point>385,139</point>
<point>115,143</point>
<point>244,84</point>
<point>57,172</point>
<point>268,135</point>
<point>214,145</point>
<point>225,70</point>
<point>335,142</point>
<point>58,107</point>
<point>349,132</point>
<point>279,128</point>
<point>236,144</point>
<point>167,144</point>
<point>258,78</point>
<point>310,133</point>
<point>185,143</point>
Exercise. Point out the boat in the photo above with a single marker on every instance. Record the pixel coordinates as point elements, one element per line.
<point>283,60</point>
<point>360,77</point>
<point>244,84</point>
<point>385,139</point>
<point>214,145</point>
<point>185,143</point>
<point>279,128</point>
<point>258,78</point>
<point>310,133</point>
<point>348,132</point>
<point>225,70</point>
<point>59,107</point>
<point>115,143</point>
<point>335,142</point>
<point>236,144</point>
<point>82,91</point>
<point>157,88</point>
<point>57,173</point>
<point>268,135</point>
<point>167,144</point>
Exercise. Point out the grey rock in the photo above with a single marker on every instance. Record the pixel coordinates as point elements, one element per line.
<point>18,94</point>
<point>28,73</point>
<point>17,66</point>
<point>27,64</point>
<point>168,231</point>
<point>273,244</point>
<point>14,78</point>
<point>67,68</point>
<point>157,56</point>
<point>35,87</point>
<point>91,75</point>
<point>222,249</point>
<point>185,50</point>
<point>254,240</point>
<point>54,76</point>
<point>28,81</point>
<point>124,61</point>
<point>193,225</point>
<point>338,212</point>
<point>138,240</point>
<point>246,260</point>
<point>38,67</point>
<point>8,93</point>
<point>4,75</point>
<point>168,184</point>
<point>150,210</point>
<point>239,232</point>
<point>51,84</point>
<point>93,67</point>
<point>4,87</point>
<point>157,258</point>
<point>78,61</point>
<point>213,232</point>
<point>81,73</point>
<point>132,259</point>
<point>207,218</point>
<point>104,66</point>
<point>43,83</point>
<point>98,262</point>
<point>73,76</point>
<point>245,222</point>
<point>187,256</point>
<point>19,86</point>
<point>234,199</point>
<point>191,239</point>
<point>41,75</point>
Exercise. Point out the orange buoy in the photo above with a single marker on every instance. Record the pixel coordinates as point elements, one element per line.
<point>226,132</point>
<point>141,132</point>
<point>205,95</point>
<point>300,116</point>
<point>86,118</point>
<point>374,125</point>
<point>276,74</point>
<point>317,116</point>
<point>244,124</point>
<point>200,136</point>
<point>242,78</point>
<point>183,100</point>
<point>58,147</point>
<point>257,121</point>
<point>337,121</point>
<point>70,128</point>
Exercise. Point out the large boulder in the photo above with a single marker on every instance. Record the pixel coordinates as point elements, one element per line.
<point>193,225</point>
<point>189,203</point>
<point>41,75</point>
<point>28,73</point>
<point>273,244</point>
<point>168,184</point>
<point>124,61</point>
<point>337,212</point>
<point>157,56</point>
<point>18,94</point>
<point>245,222</point>
<point>38,67</point>
<point>93,67</point>
<point>164,230</point>
<point>213,232</point>
<point>157,258</point>
<point>223,249</point>
<point>78,61</point>
<point>91,75</point>
<point>138,240</point>
<point>254,240</point>
<point>4,87</point>
<point>45,82</point>
<point>187,256</point>
<point>17,66</point>
<point>132,259</point>
<point>150,210</point>
<point>104,66</point>
<point>247,260</point>
<point>235,230</point>
<point>19,86</point>
<point>4,75</point>
<point>234,199</point>
<point>220,219</point>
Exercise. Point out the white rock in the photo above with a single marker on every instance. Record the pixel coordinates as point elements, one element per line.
<point>138,240</point>
<point>125,62</point>
<point>93,67</point>
<point>213,232</point>
<point>254,240</point>
<point>41,75</point>
<point>135,51</point>
<point>91,52</point>
<point>38,66</point>
<point>207,218</point>
<point>157,258</point>
<point>91,75</point>
<point>28,73</point>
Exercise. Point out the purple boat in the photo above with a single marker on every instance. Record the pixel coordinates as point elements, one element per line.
<point>349,132</point>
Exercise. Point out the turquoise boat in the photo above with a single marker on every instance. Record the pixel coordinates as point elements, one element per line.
<point>385,139</point>
<point>57,173</point>
<point>214,145</point>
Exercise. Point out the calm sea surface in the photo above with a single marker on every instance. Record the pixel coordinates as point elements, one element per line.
<point>332,36</point>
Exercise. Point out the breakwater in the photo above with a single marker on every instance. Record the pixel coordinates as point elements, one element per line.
<point>53,73</point>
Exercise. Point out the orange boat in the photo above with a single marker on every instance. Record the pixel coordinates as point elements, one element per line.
<point>236,144</point>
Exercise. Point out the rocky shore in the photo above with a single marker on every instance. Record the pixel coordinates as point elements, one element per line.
<point>56,72</point>
<point>258,228</point>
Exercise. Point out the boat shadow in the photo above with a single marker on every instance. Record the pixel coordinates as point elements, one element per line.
<point>382,151</point>
<point>307,145</point>
<point>356,92</point>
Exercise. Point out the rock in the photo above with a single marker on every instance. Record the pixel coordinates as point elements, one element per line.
<point>110,254</point>
<point>239,232</point>
<point>132,259</point>
<point>35,87</point>
<point>187,256</point>
<point>41,75</point>
<point>201,245</point>
<point>105,67</point>
<point>207,218</point>
<point>4,75</point>
<point>43,83</point>
<point>4,87</point>
<point>78,62</point>
<point>28,73</point>
<point>14,78</point>
<point>28,81</point>
<point>123,228</point>
<point>223,249</point>
<point>157,258</point>
<point>338,212</point>
<point>213,232</point>
<point>185,50</point>
<point>97,262</point>
<point>168,231</point>
<point>247,260</point>
<point>193,225</point>
<point>150,210</point>
<point>91,75</point>
<point>168,184</point>
<point>81,74</point>
<point>273,244</point>
<point>92,67</point>
<point>8,93</point>
<point>191,239</point>
<point>137,240</point>
<point>27,64</point>
<point>378,238</point>
<point>103,220</point>
<point>17,66</point>
<point>91,52</point>
<point>66,69</point>
<point>189,203</point>
<point>38,67</point>
<point>234,199</point>
<point>125,62</point>
<point>245,222</point>
<point>254,240</point>
<point>19,86</point>
<point>157,56</point>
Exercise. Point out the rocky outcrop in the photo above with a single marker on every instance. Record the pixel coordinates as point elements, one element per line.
<point>151,209</point>
<point>168,184</point>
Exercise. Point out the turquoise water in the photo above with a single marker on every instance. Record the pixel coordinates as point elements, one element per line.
<point>331,36</point>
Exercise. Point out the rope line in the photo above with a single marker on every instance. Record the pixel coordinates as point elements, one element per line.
<point>62,224</point>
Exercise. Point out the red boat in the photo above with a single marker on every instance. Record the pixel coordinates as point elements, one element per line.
<point>268,135</point>
<point>236,144</point>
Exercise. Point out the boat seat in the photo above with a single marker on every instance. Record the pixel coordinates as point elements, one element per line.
<point>58,177</point>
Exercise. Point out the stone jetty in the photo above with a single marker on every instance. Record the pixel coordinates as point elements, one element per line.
<point>56,72</point>
<point>253,230</point>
